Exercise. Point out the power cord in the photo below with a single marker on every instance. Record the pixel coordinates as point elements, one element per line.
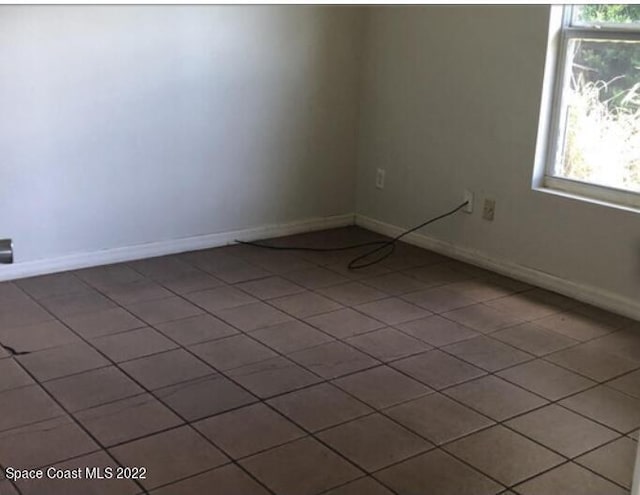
<point>12,351</point>
<point>386,247</point>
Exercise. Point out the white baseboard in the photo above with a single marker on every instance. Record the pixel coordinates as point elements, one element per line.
<point>162,248</point>
<point>588,294</point>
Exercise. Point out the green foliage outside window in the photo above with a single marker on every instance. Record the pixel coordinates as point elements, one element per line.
<point>602,136</point>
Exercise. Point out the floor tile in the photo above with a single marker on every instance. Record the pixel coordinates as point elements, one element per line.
<point>127,419</point>
<point>480,289</point>
<point>235,270</point>
<point>342,268</point>
<point>315,277</point>
<point>367,486</point>
<point>437,369</point>
<point>109,321</point>
<point>611,319</point>
<point>438,418</point>
<point>595,363</point>
<point>29,338</point>
<point>133,344</point>
<point>394,284</point>
<point>137,292</point>
<point>279,262</point>
<point>487,353</point>
<point>524,306</point>
<point>272,377</point>
<point>504,455</point>
<point>10,292</point>
<point>6,488</point>
<point>57,284</point>
<point>73,304</point>
<point>194,282</point>
<point>518,321</point>
<point>483,318</point>
<point>26,405</point>
<point>614,461</point>
<point>252,316</point>
<point>196,329</point>
<point>163,267</point>
<point>204,397</point>
<point>624,343</point>
<point>270,287</point>
<point>291,336</point>
<point>439,299</point>
<point>388,344</point>
<point>575,325</point>
<point>436,275</point>
<point>437,331</point>
<point>248,430</point>
<point>442,473</point>
<point>305,304</point>
<point>333,360</point>
<point>303,467</point>
<point>22,312</point>
<point>407,256</point>
<point>607,406</point>
<point>319,407</point>
<point>62,361</point>
<point>109,275</point>
<point>382,387</point>
<point>12,375</point>
<point>220,298</point>
<point>392,311</point>
<point>554,298</point>
<point>92,388</point>
<point>546,379</point>
<point>85,485</point>
<point>163,310</point>
<point>170,456</point>
<point>495,397</point>
<point>629,384</point>
<point>229,480</point>
<point>344,323</point>
<point>210,259</point>
<point>469,269</point>
<point>232,352</point>
<point>374,442</point>
<point>569,478</point>
<point>352,293</point>
<point>56,440</point>
<point>533,339</point>
<point>167,368</point>
<point>562,430</point>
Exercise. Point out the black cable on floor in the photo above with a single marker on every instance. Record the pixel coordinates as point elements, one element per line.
<point>356,263</point>
<point>12,351</point>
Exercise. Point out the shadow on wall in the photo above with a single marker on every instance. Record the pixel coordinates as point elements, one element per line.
<point>126,125</point>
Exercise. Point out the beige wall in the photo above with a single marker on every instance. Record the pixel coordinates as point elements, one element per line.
<point>450,100</point>
<point>128,125</point>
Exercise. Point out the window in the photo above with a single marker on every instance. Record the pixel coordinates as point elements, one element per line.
<point>594,140</point>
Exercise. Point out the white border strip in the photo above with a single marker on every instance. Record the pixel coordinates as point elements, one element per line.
<point>162,248</point>
<point>589,294</point>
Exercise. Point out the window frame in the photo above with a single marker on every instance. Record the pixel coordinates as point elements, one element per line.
<point>563,31</point>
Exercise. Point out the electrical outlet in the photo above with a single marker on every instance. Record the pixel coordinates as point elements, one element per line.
<point>468,198</point>
<point>489,209</point>
<point>380,173</point>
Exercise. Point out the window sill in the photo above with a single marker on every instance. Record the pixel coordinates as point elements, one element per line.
<point>597,195</point>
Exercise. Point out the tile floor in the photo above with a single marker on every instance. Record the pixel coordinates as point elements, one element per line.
<point>242,371</point>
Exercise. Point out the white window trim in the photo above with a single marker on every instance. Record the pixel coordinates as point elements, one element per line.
<point>560,32</point>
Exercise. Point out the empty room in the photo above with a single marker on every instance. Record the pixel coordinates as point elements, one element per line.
<point>319,249</point>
